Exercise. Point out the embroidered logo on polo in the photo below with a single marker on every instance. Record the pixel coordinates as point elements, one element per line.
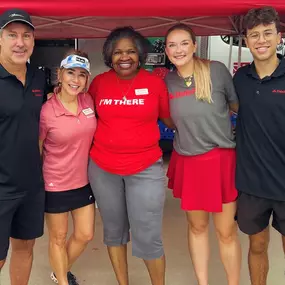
<point>37,92</point>
<point>118,102</point>
<point>278,91</point>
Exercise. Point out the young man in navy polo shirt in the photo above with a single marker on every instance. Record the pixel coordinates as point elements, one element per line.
<point>260,173</point>
<point>21,189</point>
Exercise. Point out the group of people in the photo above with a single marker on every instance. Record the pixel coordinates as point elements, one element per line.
<point>58,154</point>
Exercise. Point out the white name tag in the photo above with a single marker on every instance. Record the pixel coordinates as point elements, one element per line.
<point>87,111</point>
<point>143,91</point>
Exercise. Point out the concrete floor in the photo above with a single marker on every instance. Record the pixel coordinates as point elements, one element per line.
<point>93,267</point>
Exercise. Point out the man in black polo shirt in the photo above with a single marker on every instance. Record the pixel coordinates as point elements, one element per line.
<point>260,173</point>
<point>21,189</point>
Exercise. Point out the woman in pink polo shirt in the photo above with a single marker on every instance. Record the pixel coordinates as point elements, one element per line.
<point>67,127</point>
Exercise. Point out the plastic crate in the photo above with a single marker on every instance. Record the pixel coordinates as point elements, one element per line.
<point>234,119</point>
<point>165,132</point>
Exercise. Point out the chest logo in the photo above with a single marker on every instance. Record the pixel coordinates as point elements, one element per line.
<point>278,91</point>
<point>37,92</point>
<point>179,94</point>
<point>117,102</point>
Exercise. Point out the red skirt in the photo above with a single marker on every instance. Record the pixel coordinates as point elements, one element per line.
<point>203,182</point>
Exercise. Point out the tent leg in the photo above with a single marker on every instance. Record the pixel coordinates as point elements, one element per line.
<point>230,53</point>
<point>239,50</point>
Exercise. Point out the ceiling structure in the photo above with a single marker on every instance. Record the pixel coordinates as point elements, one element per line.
<point>63,19</point>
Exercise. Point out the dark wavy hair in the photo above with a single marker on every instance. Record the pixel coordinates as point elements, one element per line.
<point>261,16</point>
<point>141,43</point>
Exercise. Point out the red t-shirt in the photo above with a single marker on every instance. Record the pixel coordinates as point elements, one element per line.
<point>127,137</point>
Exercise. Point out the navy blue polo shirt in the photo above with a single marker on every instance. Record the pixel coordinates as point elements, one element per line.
<point>260,133</point>
<point>20,106</point>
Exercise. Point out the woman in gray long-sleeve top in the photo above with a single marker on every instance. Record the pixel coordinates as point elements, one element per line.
<point>202,167</point>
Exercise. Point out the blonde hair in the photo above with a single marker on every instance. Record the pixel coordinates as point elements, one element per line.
<point>203,82</point>
<point>59,70</point>
<point>202,76</point>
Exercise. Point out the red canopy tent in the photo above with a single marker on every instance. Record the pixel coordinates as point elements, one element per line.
<point>95,18</point>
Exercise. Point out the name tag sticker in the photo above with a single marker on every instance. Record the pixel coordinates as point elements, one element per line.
<point>143,91</point>
<point>87,111</point>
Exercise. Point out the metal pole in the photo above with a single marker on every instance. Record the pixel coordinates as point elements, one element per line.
<point>230,53</point>
<point>239,50</point>
<point>209,48</point>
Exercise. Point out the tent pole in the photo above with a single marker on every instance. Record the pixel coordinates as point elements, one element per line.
<point>240,40</point>
<point>76,43</point>
<point>230,53</point>
<point>209,48</point>
<point>239,50</point>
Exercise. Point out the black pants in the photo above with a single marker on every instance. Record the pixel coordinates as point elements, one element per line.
<point>21,218</point>
<point>254,213</point>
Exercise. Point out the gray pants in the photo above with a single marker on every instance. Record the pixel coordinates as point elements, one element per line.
<point>133,202</point>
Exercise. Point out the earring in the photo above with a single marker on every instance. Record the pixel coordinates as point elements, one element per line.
<point>280,46</point>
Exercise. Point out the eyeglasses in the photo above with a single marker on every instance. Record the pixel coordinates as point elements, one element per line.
<point>267,35</point>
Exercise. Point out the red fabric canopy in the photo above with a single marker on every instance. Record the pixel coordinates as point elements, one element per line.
<point>95,18</point>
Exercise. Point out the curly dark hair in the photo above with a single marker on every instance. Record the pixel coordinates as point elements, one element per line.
<point>261,16</point>
<point>141,43</point>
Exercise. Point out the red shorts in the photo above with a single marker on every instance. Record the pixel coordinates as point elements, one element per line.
<point>203,182</point>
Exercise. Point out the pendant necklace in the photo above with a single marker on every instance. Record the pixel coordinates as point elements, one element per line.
<point>187,80</point>
<point>125,94</point>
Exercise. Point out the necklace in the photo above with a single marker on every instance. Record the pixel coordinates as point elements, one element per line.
<point>187,80</point>
<point>125,93</point>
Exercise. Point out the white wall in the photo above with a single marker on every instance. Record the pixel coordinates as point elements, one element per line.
<point>94,49</point>
<point>220,51</point>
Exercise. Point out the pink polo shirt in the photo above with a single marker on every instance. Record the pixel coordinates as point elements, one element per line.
<point>66,143</point>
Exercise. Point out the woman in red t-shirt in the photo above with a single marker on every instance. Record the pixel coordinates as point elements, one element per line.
<point>126,167</point>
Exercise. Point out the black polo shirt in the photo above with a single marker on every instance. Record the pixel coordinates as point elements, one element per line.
<point>20,106</point>
<point>260,133</point>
